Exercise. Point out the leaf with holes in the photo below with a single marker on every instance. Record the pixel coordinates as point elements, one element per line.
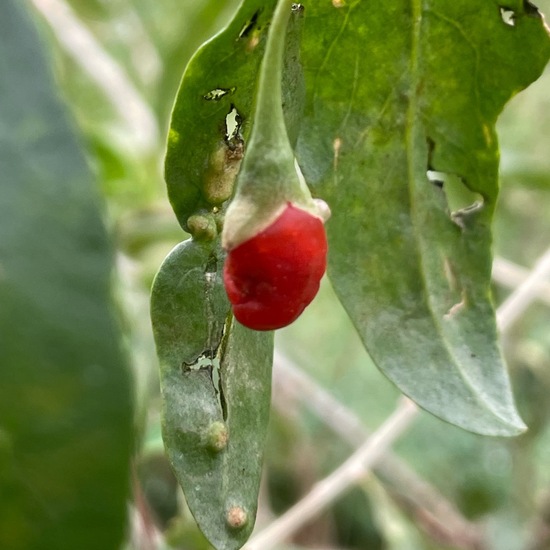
<point>216,388</point>
<point>212,113</point>
<point>397,134</point>
<point>399,138</point>
<point>215,373</point>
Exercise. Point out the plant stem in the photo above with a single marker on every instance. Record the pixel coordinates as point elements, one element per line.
<point>432,512</point>
<point>268,178</point>
<point>269,124</point>
<point>511,275</point>
<point>344,477</point>
<point>516,304</point>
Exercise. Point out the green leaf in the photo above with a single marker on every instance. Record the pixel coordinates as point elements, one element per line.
<point>219,83</point>
<point>395,90</point>
<point>215,374</point>
<point>65,394</point>
<point>216,389</point>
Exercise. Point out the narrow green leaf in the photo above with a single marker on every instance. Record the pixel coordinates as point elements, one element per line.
<point>216,389</point>
<point>395,90</point>
<point>65,393</point>
<point>216,374</point>
<point>218,85</point>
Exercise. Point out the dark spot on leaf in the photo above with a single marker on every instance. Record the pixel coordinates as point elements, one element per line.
<point>223,402</point>
<point>431,148</point>
<point>211,265</point>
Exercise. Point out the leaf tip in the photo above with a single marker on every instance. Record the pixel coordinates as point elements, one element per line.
<point>510,427</point>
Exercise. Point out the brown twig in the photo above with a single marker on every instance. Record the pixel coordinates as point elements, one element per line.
<point>438,517</point>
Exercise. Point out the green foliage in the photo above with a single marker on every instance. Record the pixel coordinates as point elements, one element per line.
<point>219,82</point>
<point>215,374</point>
<point>65,392</point>
<point>401,143</point>
<point>414,276</point>
<point>501,483</point>
<point>216,387</point>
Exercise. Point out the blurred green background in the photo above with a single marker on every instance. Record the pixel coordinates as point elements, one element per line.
<point>501,485</point>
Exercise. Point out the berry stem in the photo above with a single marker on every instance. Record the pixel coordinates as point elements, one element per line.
<point>269,123</point>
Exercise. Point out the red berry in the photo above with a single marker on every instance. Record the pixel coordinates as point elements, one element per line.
<point>273,276</point>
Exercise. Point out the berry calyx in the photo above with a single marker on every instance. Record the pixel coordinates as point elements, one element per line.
<point>272,277</point>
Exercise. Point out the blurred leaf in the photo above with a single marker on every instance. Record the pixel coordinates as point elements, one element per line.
<point>216,387</point>
<point>383,109</point>
<point>521,224</point>
<point>355,521</point>
<point>152,40</point>
<point>65,394</point>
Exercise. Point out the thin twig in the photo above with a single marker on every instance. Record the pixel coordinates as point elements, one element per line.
<point>106,73</point>
<point>511,275</point>
<point>141,537</point>
<point>341,479</point>
<point>517,303</point>
<point>345,476</point>
<point>439,517</point>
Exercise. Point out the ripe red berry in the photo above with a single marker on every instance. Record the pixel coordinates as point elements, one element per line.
<point>273,276</point>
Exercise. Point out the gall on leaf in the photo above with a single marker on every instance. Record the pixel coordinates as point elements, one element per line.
<point>272,277</point>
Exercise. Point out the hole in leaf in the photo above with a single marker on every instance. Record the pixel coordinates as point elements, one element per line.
<point>431,148</point>
<point>216,333</point>
<point>210,365</point>
<point>218,93</point>
<point>461,201</point>
<point>508,16</point>
<point>249,25</point>
<point>203,362</point>
<point>232,124</point>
